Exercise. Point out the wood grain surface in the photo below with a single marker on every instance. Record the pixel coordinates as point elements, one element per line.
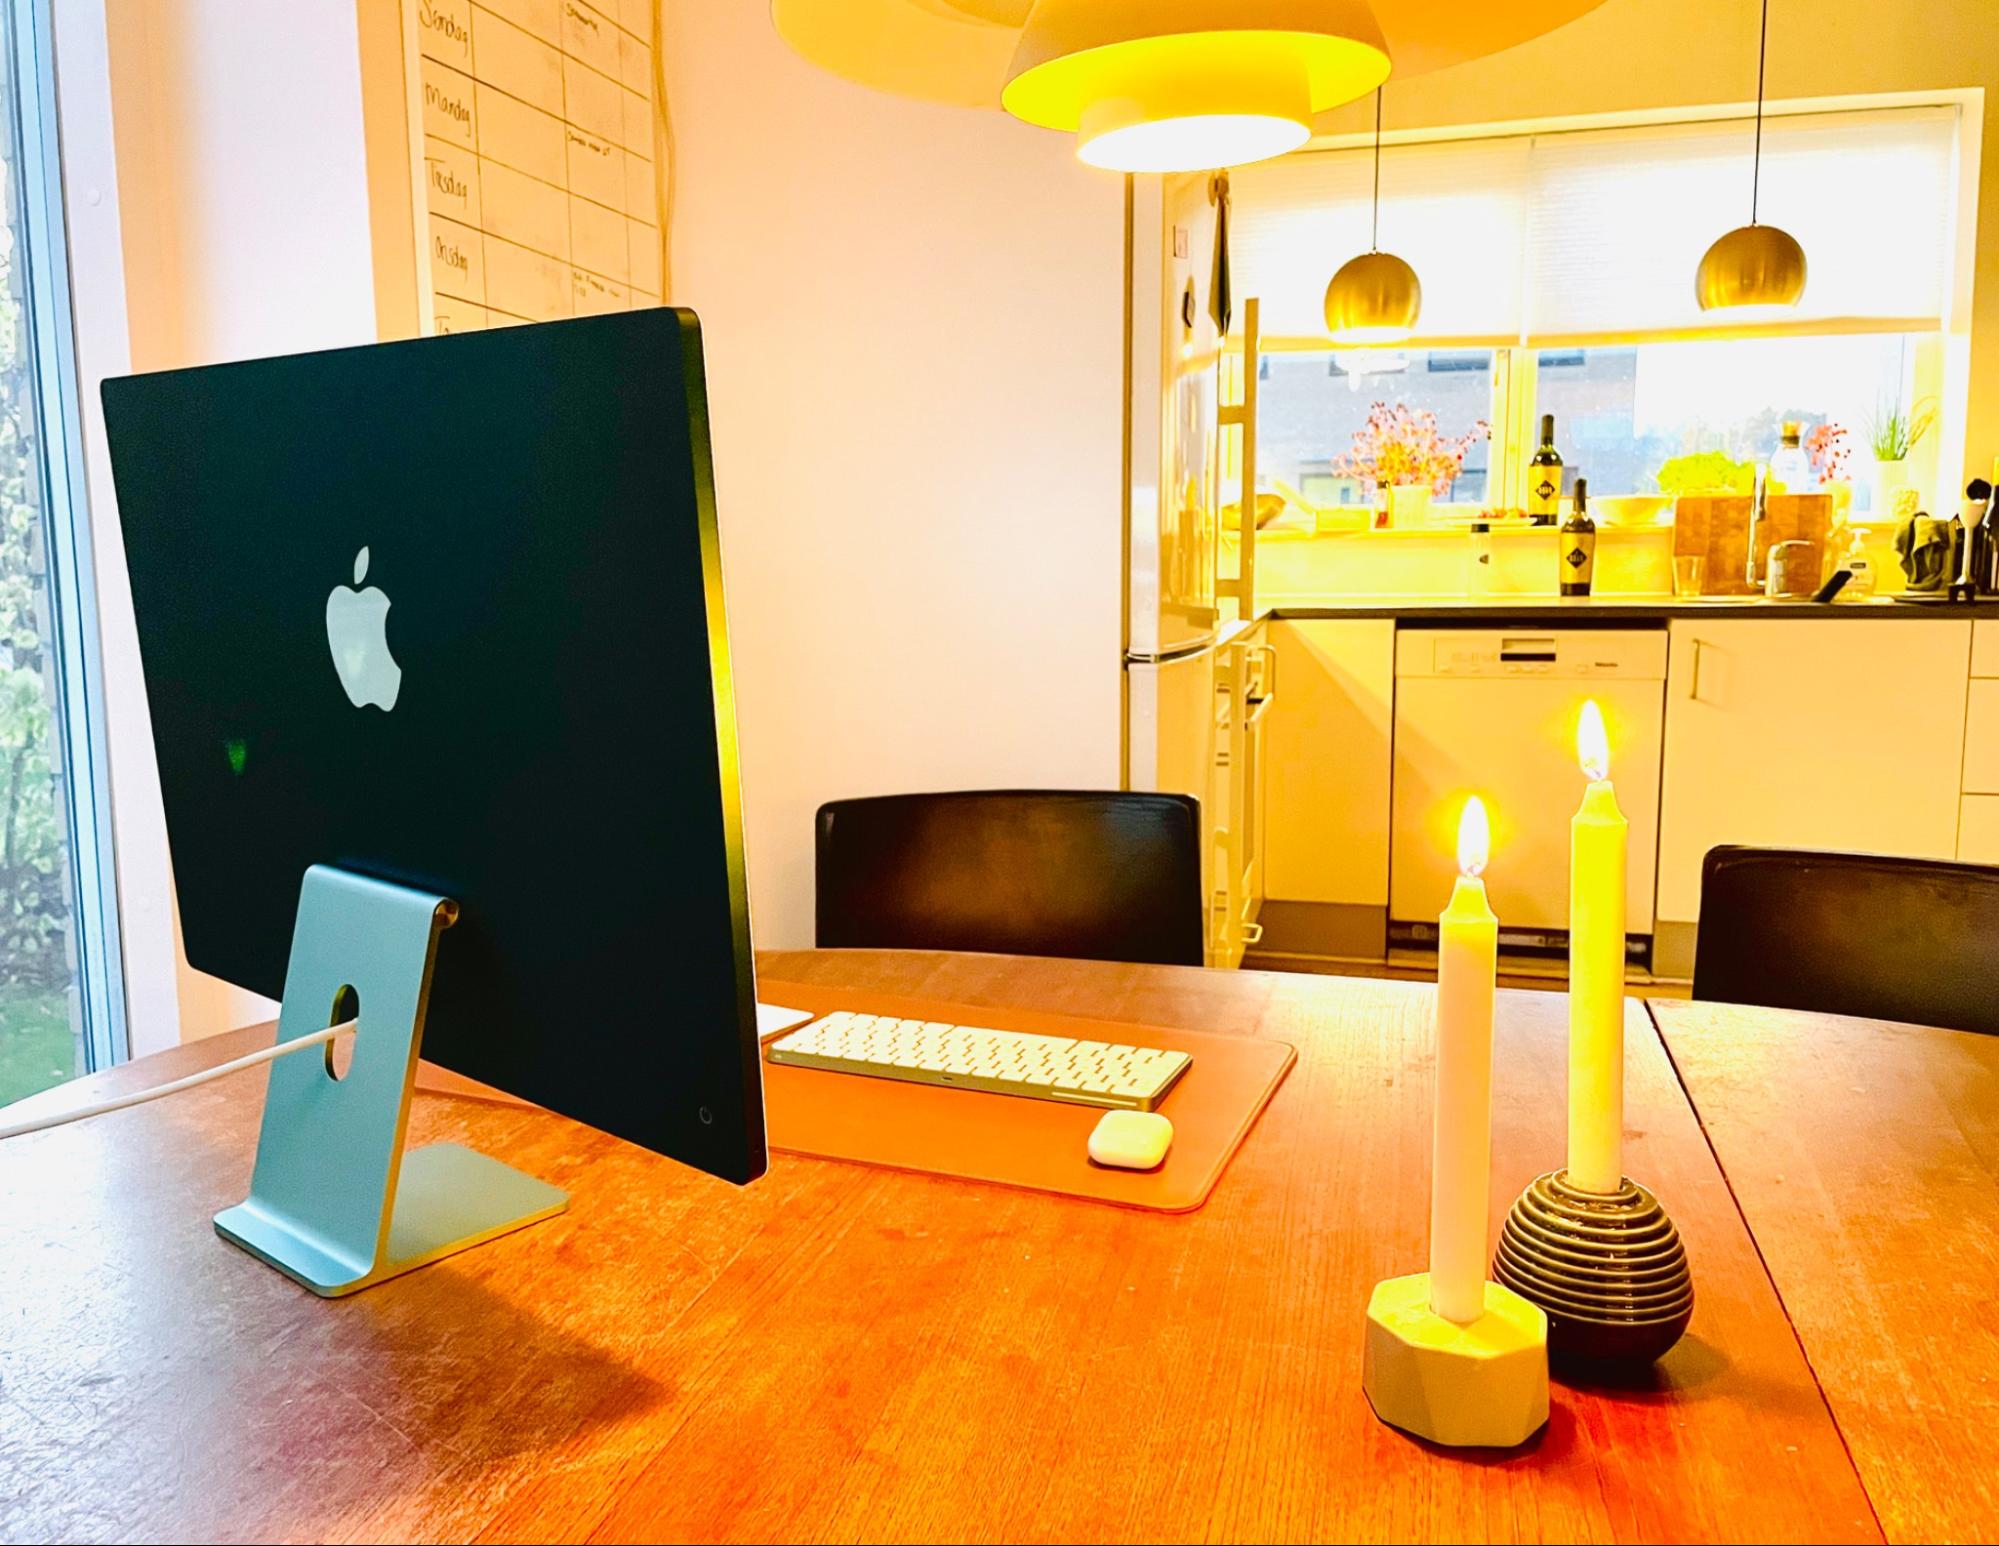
<point>1865,1157</point>
<point>845,1353</point>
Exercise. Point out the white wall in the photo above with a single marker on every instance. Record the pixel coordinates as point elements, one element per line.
<point>234,223</point>
<point>243,177</point>
<point>914,325</point>
<point>914,332</point>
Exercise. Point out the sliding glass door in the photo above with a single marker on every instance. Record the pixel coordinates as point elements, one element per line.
<point>61,988</point>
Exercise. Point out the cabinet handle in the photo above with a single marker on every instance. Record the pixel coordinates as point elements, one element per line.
<point>1694,687</point>
<point>1252,933</point>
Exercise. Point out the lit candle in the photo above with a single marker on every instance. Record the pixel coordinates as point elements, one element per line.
<point>1599,839</point>
<point>1461,1154</point>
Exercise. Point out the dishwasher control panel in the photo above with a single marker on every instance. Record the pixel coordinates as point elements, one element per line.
<point>1630,654</point>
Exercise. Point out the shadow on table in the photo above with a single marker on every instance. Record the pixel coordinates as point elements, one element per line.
<point>1686,1370</point>
<point>1691,1365</point>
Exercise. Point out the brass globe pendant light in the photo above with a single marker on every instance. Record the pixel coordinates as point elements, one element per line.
<point>1753,265</point>
<point>1191,85</point>
<point>1376,297</point>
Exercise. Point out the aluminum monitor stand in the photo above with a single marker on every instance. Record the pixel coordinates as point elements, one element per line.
<point>334,1201</point>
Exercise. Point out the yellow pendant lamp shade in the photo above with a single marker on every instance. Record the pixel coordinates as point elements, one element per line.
<point>997,13</point>
<point>1374,299</point>
<point>1753,265</point>
<point>968,51</point>
<point>1189,85</point>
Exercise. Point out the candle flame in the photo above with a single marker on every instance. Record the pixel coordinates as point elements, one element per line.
<point>1474,839</point>
<point>1593,743</point>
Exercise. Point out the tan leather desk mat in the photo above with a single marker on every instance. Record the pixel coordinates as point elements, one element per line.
<point>1012,1140</point>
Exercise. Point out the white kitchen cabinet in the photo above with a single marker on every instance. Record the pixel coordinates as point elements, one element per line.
<point>1259,702</point>
<point>1985,649</point>
<point>1328,760</point>
<point>1243,702</point>
<point>1812,733</point>
<point>1981,738</point>
<point>1978,829</point>
<point>1231,861</point>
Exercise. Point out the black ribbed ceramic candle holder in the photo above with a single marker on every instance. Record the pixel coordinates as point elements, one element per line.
<point>1609,1271</point>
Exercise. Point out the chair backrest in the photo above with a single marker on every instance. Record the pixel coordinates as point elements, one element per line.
<point>1105,877</point>
<point>1851,934</point>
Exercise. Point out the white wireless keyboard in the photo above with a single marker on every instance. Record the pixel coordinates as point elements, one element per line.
<point>970,1057</point>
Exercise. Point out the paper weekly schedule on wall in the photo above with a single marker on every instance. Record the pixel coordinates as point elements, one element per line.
<point>538,189</point>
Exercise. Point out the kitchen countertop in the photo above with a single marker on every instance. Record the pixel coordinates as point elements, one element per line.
<point>1613,610</point>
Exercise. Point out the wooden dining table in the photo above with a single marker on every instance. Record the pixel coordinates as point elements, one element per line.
<point>843,1352</point>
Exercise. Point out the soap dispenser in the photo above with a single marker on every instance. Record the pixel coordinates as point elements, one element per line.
<point>1859,569</point>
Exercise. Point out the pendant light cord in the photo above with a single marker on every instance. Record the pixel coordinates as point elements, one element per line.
<point>1756,169</point>
<point>1374,241</point>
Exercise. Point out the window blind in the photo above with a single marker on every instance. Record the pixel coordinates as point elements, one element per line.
<point>1453,210</point>
<point>1595,234</point>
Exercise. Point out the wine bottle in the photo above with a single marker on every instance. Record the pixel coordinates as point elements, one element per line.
<point>1544,477</point>
<point>1578,545</point>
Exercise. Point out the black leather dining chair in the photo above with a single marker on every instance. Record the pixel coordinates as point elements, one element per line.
<point>1851,934</point>
<point>1088,876</point>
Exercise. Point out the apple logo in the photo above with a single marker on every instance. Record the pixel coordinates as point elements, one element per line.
<point>357,632</point>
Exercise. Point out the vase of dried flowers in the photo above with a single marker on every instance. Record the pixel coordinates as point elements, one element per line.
<point>1408,505</point>
<point>1400,456</point>
<point>1829,447</point>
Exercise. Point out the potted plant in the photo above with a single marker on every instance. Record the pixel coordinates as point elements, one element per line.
<point>1891,435</point>
<point>1401,452</point>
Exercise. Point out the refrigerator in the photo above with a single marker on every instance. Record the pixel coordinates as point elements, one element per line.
<point>1175,634</point>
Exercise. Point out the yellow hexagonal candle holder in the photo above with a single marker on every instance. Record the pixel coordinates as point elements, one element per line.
<point>1451,1356</point>
<point>1482,1383</point>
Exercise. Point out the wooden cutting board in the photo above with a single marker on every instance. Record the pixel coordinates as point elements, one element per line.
<point>1716,527</point>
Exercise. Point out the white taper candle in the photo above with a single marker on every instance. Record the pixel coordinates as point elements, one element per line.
<point>1461,1152</point>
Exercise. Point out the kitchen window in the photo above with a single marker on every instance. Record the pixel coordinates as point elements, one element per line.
<point>62,1004</point>
<point>1624,414</point>
<point>1311,404</point>
<point>1557,272</point>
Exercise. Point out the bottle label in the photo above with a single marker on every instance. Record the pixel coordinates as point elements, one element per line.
<point>1578,561</point>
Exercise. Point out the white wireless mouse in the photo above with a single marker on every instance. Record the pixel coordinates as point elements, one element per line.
<point>1131,1140</point>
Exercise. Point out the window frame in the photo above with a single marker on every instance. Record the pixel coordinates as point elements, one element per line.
<point>1515,411</point>
<point>1940,370</point>
<point>78,716</point>
<point>1501,474</point>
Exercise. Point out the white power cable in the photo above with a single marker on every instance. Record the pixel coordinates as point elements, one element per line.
<point>139,1097</point>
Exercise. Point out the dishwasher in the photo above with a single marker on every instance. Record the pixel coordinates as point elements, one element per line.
<point>1493,712</point>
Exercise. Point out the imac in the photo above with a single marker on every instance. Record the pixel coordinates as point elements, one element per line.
<point>434,643</point>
